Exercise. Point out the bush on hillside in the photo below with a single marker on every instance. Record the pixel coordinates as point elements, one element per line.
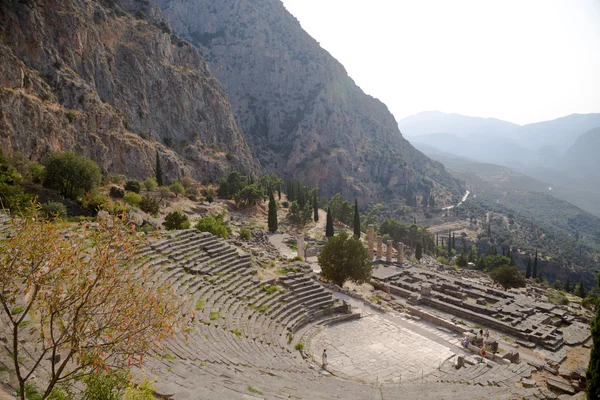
<point>133,186</point>
<point>117,192</point>
<point>214,224</point>
<point>176,220</point>
<point>133,199</point>
<point>245,234</point>
<point>150,205</point>
<point>53,210</point>
<point>150,184</point>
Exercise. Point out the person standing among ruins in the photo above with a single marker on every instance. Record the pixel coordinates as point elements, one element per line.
<point>483,351</point>
<point>324,358</point>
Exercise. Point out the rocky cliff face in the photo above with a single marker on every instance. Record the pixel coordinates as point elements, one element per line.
<point>89,77</point>
<point>303,115</point>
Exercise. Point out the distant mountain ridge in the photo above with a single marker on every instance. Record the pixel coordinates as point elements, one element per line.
<point>429,122</point>
<point>559,133</point>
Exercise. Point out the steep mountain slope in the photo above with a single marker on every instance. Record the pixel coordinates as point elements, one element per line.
<point>301,112</point>
<point>86,76</point>
<point>455,124</point>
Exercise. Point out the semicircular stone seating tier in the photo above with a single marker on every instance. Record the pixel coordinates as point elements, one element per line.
<point>241,321</point>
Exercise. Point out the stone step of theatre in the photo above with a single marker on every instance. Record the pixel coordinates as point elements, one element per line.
<point>241,321</point>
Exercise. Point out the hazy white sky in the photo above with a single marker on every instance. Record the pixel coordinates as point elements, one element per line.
<point>518,60</point>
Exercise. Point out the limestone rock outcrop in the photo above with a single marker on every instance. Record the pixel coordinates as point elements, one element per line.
<point>117,86</point>
<point>302,114</point>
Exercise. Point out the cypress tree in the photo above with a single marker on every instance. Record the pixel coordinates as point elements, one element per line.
<point>356,219</point>
<point>159,172</point>
<point>419,251</point>
<point>453,241</point>
<point>437,240</point>
<point>315,206</point>
<point>272,221</point>
<point>528,270</point>
<point>449,247</point>
<point>568,285</point>
<point>279,191</point>
<point>512,257</point>
<point>593,371</point>
<point>329,227</point>
<point>535,265</point>
<point>581,291</point>
<point>490,227</point>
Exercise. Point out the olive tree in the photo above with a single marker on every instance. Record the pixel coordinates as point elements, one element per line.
<point>71,175</point>
<point>75,300</point>
<point>345,258</point>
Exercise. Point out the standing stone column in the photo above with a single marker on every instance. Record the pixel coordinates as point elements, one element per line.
<point>370,239</point>
<point>300,245</point>
<point>379,247</point>
<point>401,253</point>
<point>388,257</point>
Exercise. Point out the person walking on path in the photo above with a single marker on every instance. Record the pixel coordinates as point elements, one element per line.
<point>483,351</point>
<point>324,358</point>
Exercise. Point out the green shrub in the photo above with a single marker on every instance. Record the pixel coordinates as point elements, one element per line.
<point>299,346</point>
<point>37,172</point>
<point>245,234</point>
<point>176,220</point>
<point>133,186</point>
<point>54,209</point>
<point>150,184</point>
<point>133,199</point>
<point>560,299</point>
<point>150,205</point>
<point>105,386</point>
<point>144,391</point>
<point>117,192</point>
<point>31,392</point>
<point>214,224</point>
<point>71,175</point>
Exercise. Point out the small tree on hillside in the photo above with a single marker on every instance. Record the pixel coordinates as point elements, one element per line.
<point>177,188</point>
<point>528,270</point>
<point>78,303</point>
<point>508,277</point>
<point>356,219</point>
<point>71,175</point>
<point>250,195</point>
<point>160,180</point>
<point>534,272</point>
<point>272,217</point>
<point>329,227</point>
<point>150,184</point>
<point>176,220</point>
<point>345,258</point>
